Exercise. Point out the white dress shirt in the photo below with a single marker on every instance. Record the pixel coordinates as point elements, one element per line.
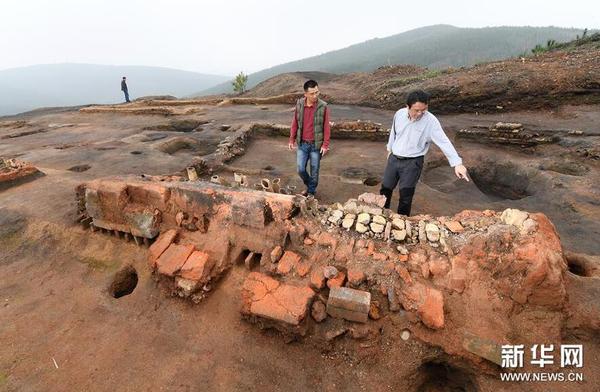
<point>410,138</point>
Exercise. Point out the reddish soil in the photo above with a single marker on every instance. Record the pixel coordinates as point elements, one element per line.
<point>54,299</point>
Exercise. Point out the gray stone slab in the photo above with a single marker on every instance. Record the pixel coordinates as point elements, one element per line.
<point>351,299</point>
<point>347,314</point>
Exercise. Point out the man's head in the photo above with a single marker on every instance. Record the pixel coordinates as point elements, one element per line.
<point>124,78</point>
<point>417,102</point>
<point>311,91</point>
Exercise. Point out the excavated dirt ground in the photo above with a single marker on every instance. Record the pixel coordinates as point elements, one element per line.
<point>61,328</point>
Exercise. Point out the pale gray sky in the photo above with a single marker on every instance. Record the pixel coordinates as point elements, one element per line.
<point>228,36</point>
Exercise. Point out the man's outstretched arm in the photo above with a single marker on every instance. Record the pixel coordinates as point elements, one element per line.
<point>441,140</point>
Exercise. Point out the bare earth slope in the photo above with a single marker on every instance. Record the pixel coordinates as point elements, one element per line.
<point>571,73</point>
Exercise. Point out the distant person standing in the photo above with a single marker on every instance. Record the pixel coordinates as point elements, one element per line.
<point>310,133</point>
<point>413,130</point>
<point>124,89</point>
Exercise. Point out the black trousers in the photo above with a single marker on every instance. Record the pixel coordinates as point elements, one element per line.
<point>405,173</point>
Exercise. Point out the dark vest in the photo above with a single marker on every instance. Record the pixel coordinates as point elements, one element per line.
<point>318,122</point>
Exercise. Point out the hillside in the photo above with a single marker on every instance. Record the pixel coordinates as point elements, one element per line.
<point>438,46</point>
<point>37,86</point>
<point>567,74</point>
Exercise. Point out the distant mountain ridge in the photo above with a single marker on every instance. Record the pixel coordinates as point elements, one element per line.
<point>68,84</point>
<point>438,46</point>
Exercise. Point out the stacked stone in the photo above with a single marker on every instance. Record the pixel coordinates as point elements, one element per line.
<point>508,133</point>
<point>370,221</point>
<point>13,170</point>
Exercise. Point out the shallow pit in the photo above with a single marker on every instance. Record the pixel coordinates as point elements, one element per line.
<point>440,376</point>
<point>177,144</point>
<point>501,180</point>
<point>354,175</point>
<point>371,181</point>
<point>79,168</point>
<point>124,282</point>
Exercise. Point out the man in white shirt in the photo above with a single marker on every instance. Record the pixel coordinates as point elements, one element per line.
<point>413,130</point>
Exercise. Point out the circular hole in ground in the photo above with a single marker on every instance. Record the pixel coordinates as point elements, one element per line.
<point>503,180</point>
<point>578,266</point>
<point>124,282</point>
<point>176,144</point>
<point>354,175</point>
<point>79,168</point>
<point>268,167</point>
<point>442,377</point>
<point>371,181</point>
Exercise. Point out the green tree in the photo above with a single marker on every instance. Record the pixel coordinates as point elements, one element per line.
<point>239,83</point>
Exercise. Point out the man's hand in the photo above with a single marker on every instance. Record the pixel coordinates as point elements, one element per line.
<point>461,172</point>
<point>291,145</point>
<point>324,151</point>
<point>389,153</point>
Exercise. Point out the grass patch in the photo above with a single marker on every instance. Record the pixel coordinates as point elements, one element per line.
<point>11,240</point>
<point>99,265</point>
<point>399,82</point>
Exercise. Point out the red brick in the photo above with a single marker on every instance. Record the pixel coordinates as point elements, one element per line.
<point>288,261</point>
<point>432,309</point>
<point>404,274</point>
<point>337,281</point>
<point>355,276</point>
<point>428,303</point>
<point>303,268</point>
<point>197,267</point>
<point>264,296</point>
<point>317,278</point>
<point>174,258</point>
<point>282,206</point>
<point>160,245</point>
<point>326,239</point>
<point>454,226</point>
<point>153,194</point>
<point>379,256</point>
<point>276,254</point>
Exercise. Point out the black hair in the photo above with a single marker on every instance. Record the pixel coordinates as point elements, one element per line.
<point>417,96</point>
<point>123,77</point>
<point>310,84</point>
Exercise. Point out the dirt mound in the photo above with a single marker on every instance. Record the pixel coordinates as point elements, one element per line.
<point>288,83</point>
<point>14,172</point>
<point>315,271</point>
<point>542,81</point>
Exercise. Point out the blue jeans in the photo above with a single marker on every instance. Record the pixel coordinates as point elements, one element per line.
<point>126,95</point>
<point>308,152</point>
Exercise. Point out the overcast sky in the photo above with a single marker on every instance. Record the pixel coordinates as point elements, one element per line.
<point>227,36</point>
